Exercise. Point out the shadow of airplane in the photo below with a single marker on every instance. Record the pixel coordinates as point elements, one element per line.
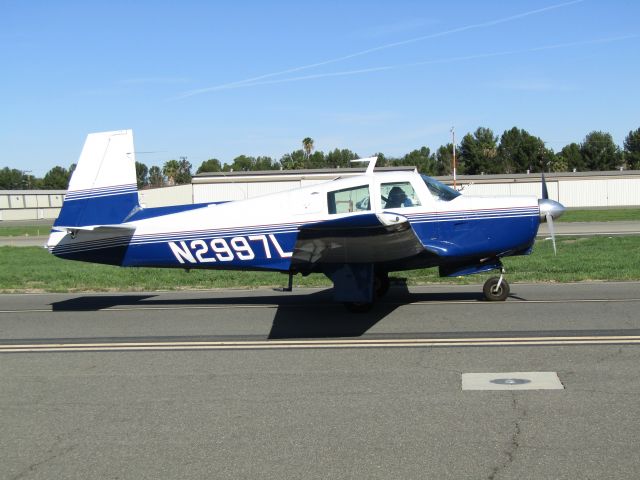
<point>298,315</point>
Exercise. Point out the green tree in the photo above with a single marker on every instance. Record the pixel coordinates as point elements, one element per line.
<point>478,152</point>
<point>293,161</point>
<point>142,175</point>
<point>156,179</point>
<point>11,179</point>
<point>170,171</point>
<point>599,152</point>
<point>342,158</point>
<point>243,163</point>
<point>315,160</point>
<point>382,159</point>
<point>266,163</point>
<point>520,151</point>
<point>444,160</point>
<point>422,159</point>
<point>29,182</point>
<point>56,179</point>
<point>211,165</point>
<point>183,176</point>
<point>632,149</point>
<point>307,146</point>
<point>556,162</point>
<point>573,158</point>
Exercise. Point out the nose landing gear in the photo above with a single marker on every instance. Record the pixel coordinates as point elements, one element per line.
<point>496,289</point>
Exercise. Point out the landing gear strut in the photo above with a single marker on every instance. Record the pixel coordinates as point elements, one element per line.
<point>496,289</point>
<point>381,285</point>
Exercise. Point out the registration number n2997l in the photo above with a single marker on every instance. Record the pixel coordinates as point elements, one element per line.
<point>226,250</point>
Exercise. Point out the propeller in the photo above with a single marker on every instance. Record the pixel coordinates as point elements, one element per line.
<point>549,210</point>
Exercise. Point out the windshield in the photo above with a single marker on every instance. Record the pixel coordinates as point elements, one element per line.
<point>440,190</point>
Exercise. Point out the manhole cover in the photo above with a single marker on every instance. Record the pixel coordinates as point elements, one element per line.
<point>510,381</point>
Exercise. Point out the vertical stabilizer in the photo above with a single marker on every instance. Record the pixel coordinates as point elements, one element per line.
<point>102,190</point>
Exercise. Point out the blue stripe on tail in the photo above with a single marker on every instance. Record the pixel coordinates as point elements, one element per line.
<point>102,208</point>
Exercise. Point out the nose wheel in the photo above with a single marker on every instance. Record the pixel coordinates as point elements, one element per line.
<point>496,289</point>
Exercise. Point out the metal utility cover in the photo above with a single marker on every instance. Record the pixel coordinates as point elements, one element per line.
<point>511,381</point>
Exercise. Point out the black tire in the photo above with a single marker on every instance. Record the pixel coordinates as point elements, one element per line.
<point>495,295</point>
<point>358,307</point>
<point>381,284</point>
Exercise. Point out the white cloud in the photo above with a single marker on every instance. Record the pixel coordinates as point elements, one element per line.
<point>153,80</point>
<point>531,85</point>
<point>394,28</point>
<point>260,79</point>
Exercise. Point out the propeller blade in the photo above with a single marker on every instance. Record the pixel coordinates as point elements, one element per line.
<point>545,193</point>
<point>552,232</point>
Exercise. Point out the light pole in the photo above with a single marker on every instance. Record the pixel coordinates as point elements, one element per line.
<point>453,143</point>
<point>26,176</point>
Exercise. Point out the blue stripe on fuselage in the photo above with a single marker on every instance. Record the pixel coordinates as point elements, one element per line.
<point>465,235</point>
<point>270,251</point>
<point>468,237</point>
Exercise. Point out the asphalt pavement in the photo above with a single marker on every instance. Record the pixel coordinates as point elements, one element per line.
<point>591,228</point>
<point>331,397</point>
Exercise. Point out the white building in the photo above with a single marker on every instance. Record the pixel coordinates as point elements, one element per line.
<point>573,190</point>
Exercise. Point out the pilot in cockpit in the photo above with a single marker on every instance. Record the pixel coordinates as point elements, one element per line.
<point>398,198</point>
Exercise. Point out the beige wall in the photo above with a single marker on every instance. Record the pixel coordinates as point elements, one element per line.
<point>164,197</point>
<point>46,204</point>
<point>597,190</point>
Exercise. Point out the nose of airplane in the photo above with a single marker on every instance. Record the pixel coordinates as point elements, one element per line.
<point>551,208</point>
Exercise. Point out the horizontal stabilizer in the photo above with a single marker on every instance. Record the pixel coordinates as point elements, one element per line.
<point>98,228</point>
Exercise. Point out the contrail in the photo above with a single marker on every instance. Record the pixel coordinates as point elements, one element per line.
<point>489,23</point>
<point>426,62</point>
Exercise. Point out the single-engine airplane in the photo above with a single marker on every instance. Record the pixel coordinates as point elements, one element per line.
<point>355,230</point>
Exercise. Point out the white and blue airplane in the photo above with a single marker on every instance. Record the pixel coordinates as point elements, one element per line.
<point>355,230</point>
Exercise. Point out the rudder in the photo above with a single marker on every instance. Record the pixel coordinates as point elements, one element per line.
<point>102,189</point>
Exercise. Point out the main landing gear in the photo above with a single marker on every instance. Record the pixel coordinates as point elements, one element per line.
<point>496,289</point>
<point>381,286</point>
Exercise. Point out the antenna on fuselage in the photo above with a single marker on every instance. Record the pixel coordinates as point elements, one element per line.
<point>370,160</point>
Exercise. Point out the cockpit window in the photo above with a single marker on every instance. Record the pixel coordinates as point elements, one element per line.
<point>440,190</point>
<point>349,200</point>
<point>398,195</point>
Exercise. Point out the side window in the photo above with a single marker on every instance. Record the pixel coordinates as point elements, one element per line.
<point>353,199</point>
<point>398,195</point>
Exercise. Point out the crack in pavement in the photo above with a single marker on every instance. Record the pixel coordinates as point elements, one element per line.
<point>32,468</point>
<point>514,441</point>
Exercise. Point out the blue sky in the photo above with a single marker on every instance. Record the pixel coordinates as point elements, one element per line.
<point>221,79</point>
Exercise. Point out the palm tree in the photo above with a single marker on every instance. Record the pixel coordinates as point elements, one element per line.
<point>155,177</point>
<point>307,145</point>
<point>170,170</point>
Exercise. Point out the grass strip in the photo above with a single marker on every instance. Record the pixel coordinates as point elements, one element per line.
<point>601,215</point>
<point>29,269</point>
<point>25,230</point>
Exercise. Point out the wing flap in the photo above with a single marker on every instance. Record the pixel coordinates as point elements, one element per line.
<point>367,238</point>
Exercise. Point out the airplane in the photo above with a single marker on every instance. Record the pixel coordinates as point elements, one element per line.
<point>355,230</point>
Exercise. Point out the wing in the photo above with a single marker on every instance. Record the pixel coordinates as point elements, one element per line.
<point>366,238</point>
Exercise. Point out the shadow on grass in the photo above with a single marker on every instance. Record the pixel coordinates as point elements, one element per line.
<point>298,315</point>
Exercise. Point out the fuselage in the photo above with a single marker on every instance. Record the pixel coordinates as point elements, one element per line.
<point>261,233</point>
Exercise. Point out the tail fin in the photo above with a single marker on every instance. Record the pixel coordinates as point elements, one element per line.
<point>102,190</point>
